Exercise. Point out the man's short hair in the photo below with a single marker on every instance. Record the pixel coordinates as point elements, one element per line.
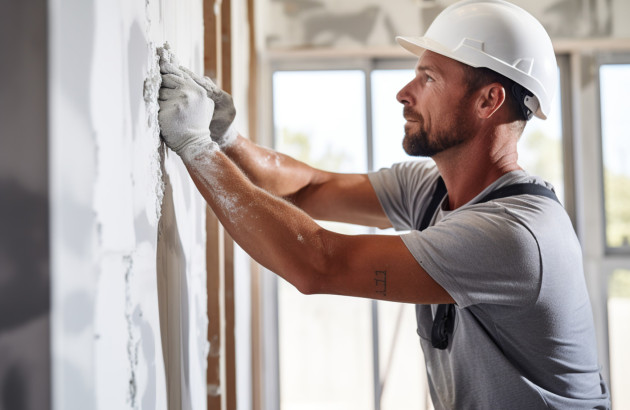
<point>477,77</point>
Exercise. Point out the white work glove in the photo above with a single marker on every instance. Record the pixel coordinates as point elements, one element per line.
<point>185,112</point>
<point>221,127</point>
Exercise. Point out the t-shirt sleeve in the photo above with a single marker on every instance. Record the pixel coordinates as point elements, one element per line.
<point>404,191</point>
<point>480,255</point>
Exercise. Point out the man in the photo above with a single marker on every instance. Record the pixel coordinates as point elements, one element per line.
<point>514,327</point>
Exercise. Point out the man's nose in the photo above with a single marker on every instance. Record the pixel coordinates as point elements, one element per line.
<point>403,96</point>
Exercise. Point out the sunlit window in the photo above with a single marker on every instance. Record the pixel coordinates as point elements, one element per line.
<point>619,336</point>
<point>615,121</point>
<point>387,116</point>
<point>540,147</point>
<point>325,342</point>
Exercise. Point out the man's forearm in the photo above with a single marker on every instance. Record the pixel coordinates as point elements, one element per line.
<point>276,173</point>
<point>288,242</point>
<point>275,233</point>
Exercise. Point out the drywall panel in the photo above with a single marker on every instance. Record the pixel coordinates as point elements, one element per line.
<point>128,267</point>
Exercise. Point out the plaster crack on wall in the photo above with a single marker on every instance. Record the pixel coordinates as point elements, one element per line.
<point>133,340</point>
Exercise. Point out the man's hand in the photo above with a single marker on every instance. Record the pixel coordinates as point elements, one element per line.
<point>185,112</point>
<point>221,128</point>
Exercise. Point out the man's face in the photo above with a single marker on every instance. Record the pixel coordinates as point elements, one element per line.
<point>437,106</point>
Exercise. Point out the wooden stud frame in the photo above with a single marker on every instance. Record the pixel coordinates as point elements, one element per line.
<point>221,371</point>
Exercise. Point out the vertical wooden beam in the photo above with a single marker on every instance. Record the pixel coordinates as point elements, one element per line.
<point>256,286</point>
<point>225,59</point>
<point>214,239</point>
<point>221,372</point>
<point>214,256</point>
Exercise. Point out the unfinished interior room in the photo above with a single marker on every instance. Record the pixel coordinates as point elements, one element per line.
<point>314,204</point>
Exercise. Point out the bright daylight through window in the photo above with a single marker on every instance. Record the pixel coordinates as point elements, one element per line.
<point>615,121</point>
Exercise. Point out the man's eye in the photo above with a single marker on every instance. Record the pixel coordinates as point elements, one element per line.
<point>429,78</point>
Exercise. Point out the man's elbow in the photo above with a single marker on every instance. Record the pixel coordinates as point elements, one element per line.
<point>315,268</point>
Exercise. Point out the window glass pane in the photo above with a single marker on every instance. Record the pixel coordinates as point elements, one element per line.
<point>619,336</point>
<point>403,373</point>
<point>540,147</point>
<point>387,116</point>
<point>614,91</point>
<point>325,342</point>
<point>319,118</point>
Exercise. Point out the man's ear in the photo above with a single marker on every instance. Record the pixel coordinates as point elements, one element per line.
<point>489,99</point>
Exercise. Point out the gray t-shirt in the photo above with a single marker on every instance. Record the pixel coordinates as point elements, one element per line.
<point>524,336</point>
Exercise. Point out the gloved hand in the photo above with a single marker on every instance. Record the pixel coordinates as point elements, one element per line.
<point>221,127</point>
<point>185,112</point>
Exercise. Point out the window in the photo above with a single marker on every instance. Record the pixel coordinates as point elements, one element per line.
<point>325,342</point>
<point>614,81</point>
<point>387,120</point>
<point>614,86</point>
<point>540,147</point>
<point>619,336</point>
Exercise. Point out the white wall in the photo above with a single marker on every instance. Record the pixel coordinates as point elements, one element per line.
<point>127,225</point>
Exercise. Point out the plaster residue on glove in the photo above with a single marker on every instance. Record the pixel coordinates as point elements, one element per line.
<point>221,127</point>
<point>166,54</point>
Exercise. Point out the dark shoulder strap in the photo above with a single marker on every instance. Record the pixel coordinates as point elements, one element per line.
<point>438,195</point>
<point>509,190</point>
<point>443,323</point>
<point>520,189</point>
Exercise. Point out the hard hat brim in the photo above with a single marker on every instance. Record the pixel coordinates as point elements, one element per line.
<point>418,45</point>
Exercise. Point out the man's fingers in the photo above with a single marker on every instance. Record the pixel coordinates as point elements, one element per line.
<point>193,75</point>
<point>168,93</point>
<point>198,79</point>
<point>172,81</point>
<point>170,68</point>
<point>205,82</point>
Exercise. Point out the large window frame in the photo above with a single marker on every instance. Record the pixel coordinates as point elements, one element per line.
<point>368,64</point>
<point>611,258</point>
<point>611,58</point>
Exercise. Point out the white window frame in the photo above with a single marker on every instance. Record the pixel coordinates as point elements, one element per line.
<point>612,258</point>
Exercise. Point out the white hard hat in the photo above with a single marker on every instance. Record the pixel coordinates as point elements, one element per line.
<point>497,35</point>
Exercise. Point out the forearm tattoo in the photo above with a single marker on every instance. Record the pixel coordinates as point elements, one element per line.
<point>380,280</point>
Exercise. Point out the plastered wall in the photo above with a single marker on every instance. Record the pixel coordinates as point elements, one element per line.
<point>126,225</point>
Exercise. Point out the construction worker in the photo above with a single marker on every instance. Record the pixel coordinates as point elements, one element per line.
<point>496,273</point>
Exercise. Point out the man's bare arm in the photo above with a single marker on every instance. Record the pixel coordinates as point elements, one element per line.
<point>323,195</point>
<point>275,232</point>
<point>288,242</point>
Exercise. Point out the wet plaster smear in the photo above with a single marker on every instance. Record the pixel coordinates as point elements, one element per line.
<point>128,256</point>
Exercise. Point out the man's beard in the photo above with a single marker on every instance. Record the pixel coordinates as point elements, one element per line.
<point>418,143</point>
